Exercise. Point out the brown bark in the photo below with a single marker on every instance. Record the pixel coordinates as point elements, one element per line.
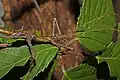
<point>116,4</point>
<point>20,13</point>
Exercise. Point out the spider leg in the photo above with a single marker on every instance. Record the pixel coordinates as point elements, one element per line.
<point>32,53</point>
<point>56,29</point>
<point>71,41</point>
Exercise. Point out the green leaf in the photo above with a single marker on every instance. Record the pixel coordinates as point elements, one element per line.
<point>82,72</point>
<point>11,57</point>
<point>112,57</point>
<point>1,39</point>
<point>95,24</point>
<point>44,56</point>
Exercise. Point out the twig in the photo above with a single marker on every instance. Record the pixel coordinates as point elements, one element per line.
<point>5,32</point>
<point>4,45</point>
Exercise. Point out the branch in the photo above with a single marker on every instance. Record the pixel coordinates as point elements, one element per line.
<point>6,32</point>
